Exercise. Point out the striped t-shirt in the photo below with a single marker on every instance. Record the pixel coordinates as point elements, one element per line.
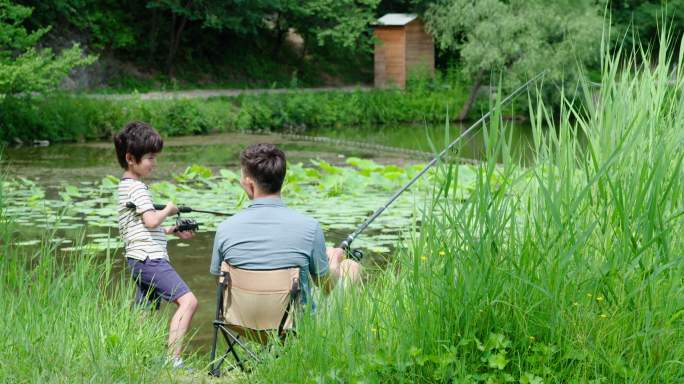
<point>140,242</point>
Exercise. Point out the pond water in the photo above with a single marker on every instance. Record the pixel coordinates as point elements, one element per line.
<point>65,190</point>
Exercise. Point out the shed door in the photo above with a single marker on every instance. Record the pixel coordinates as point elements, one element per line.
<point>390,56</point>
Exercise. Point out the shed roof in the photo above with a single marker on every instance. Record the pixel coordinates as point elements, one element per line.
<point>396,19</point>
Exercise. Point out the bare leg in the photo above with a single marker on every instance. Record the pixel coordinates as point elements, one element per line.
<point>180,322</point>
<point>342,269</point>
<point>351,270</point>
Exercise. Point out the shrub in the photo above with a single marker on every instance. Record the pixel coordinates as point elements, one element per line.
<point>64,117</point>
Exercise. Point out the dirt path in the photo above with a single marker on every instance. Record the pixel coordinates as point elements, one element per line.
<point>206,93</point>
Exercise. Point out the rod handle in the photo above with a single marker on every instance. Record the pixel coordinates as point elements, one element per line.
<point>159,207</point>
<point>346,243</point>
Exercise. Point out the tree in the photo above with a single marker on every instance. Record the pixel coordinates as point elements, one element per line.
<point>336,24</point>
<point>23,67</point>
<point>638,21</point>
<point>517,39</point>
<point>340,22</point>
<point>243,17</point>
<point>99,23</point>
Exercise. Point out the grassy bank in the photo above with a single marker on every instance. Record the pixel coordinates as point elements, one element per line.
<point>569,271</point>
<point>65,117</point>
<point>70,320</point>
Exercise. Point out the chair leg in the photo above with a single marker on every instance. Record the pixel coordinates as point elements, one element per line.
<point>214,371</point>
<point>242,345</point>
<point>237,359</point>
<point>215,367</point>
<point>231,340</point>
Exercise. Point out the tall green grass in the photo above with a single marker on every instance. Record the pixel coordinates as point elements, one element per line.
<point>565,271</point>
<point>67,320</point>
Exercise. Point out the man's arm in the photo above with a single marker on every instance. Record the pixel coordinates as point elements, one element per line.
<point>334,259</point>
<point>319,266</point>
<point>216,254</point>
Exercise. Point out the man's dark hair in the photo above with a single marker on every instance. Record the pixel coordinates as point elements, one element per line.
<point>266,164</point>
<point>138,139</point>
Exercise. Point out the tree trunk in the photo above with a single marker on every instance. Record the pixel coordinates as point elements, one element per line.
<point>173,46</point>
<point>153,37</point>
<point>174,42</point>
<point>474,90</point>
<point>305,49</point>
<point>280,37</point>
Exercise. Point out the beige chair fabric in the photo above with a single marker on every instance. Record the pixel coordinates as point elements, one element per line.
<point>257,300</point>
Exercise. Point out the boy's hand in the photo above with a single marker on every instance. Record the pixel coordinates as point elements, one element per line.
<point>170,209</point>
<point>185,235</point>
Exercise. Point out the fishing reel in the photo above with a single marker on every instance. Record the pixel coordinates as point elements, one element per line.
<point>183,225</point>
<point>355,254</point>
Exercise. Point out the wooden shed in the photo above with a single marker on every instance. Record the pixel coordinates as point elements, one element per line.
<point>402,46</point>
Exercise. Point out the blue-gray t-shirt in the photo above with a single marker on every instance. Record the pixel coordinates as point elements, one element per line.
<point>268,235</point>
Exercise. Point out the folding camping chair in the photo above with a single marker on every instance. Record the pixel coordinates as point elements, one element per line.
<point>251,305</point>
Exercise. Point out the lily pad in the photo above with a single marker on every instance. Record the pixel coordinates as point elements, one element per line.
<point>27,242</point>
<point>339,197</point>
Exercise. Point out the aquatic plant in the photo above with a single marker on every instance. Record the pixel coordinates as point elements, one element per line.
<point>339,196</point>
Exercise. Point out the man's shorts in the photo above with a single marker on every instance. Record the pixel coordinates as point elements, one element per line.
<point>156,279</point>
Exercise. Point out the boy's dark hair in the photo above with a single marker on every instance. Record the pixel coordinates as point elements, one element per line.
<point>138,139</point>
<point>266,164</point>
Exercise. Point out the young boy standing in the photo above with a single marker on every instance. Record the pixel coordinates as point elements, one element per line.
<point>137,147</point>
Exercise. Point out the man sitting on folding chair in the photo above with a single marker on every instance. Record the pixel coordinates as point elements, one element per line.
<point>265,255</point>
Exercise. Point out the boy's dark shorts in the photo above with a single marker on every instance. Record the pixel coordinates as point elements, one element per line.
<point>156,279</point>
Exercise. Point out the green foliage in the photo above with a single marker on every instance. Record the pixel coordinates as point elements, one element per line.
<point>23,66</point>
<point>170,35</point>
<point>185,117</point>
<point>334,24</point>
<point>105,24</point>
<point>68,320</point>
<point>638,21</point>
<point>68,118</point>
<point>327,22</point>
<point>245,17</point>
<point>566,271</point>
<point>518,38</point>
<point>244,43</point>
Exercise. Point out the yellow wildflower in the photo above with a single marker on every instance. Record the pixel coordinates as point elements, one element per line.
<point>442,253</point>
<point>532,339</point>
<point>424,258</point>
<point>599,298</point>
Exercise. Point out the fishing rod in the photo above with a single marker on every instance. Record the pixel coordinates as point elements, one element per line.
<point>346,243</point>
<point>182,209</point>
<point>183,225</point>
